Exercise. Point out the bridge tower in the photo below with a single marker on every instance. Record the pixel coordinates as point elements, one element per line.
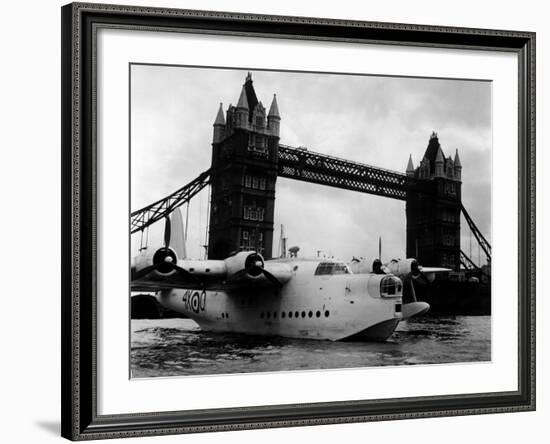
<point>433,210</point>
<point>243,176</point>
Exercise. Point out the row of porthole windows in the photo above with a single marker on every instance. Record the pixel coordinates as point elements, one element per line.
<point>290,314</point>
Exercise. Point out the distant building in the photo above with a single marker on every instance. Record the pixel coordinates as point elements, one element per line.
<point>433,208</point>
<point>244,172</point>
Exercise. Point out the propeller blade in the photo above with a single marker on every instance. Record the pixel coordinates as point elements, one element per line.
<point>408,280</point>
<point>255,270</point>
<point>421,275</point>
<point>272,278</point>
<point>238,275</point>
<point>143,272</point>
<point>136,275</point>
<point>413,291</point>
<point>426,279</point>
<point>167,231</point>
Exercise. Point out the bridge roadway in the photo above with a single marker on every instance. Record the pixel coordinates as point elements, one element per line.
<point>297,164</point>
<point>309,166</point>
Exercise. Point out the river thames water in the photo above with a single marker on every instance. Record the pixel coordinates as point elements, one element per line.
<point>176,347</point>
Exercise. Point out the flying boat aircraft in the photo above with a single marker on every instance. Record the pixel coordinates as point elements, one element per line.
<point>293,297</point>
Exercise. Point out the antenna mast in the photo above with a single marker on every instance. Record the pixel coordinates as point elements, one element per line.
<point>282,252</point>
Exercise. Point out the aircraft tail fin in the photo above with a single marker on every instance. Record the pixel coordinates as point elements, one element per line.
<point>177,234</point>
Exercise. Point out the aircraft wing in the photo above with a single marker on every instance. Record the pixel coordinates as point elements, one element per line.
<point>434,269</point>
<point>154,285</point>
<point>430,272</point>
<point>245,270</point>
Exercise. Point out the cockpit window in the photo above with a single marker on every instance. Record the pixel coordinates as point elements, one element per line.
<point>340,268</point>
<point>324,268</point>
<point>331,268</point>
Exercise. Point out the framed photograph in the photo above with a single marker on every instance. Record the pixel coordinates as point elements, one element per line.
<point>274,221</point>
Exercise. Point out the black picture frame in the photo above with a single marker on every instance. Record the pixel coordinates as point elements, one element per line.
<point>79,395</point>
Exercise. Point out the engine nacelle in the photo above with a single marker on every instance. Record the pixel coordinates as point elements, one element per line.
<point>360,266</point>
<point>245,260</point>
<point>163,258</point>
<point>402,267</point>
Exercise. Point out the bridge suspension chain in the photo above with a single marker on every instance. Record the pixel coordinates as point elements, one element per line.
<point>470,265</point>
<point>154,212</point>
<point>483,243</point>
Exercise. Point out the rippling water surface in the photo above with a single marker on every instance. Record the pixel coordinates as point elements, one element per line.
<point>174,347</point>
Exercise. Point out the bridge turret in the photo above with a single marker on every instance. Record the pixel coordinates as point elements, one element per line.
<point>242,111</point>
<point>433,215</point>
<point>410,167</point>
<point>273,118</point>
<point>243,177</point>
<point>219,126</point>
<point>457,167</point>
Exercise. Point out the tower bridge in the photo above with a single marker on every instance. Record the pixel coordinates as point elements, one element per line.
<point>247,159</point>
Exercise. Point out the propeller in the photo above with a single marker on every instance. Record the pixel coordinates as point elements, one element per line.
<point>254,266</point>
<point>270,277</point>
<point>166,268</point>
<point>377,267</point>
<point>165,260</point>
<point>416,273</point>
<point>409,281</point>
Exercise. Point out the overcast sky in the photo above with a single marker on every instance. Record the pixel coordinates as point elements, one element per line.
<point>369,119</point>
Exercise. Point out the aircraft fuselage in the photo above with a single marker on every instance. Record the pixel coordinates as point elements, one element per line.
<point>330,307</point>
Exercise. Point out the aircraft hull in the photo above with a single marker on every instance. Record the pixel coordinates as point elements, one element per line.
<point>335,308</point>
<point>378,332</point>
